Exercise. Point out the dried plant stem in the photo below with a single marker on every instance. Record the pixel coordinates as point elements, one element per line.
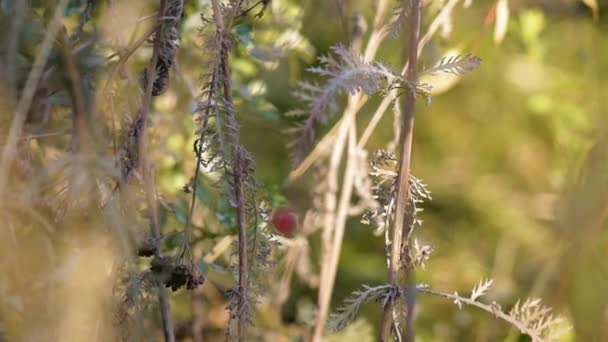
<point>399,256</point>
<point>386,101</point>
<point>163,297</point>
<point>445,12</point>
<point>485,307</point>
<point>335,221</point>
<point>8,153</point>
<point>80,132</point>
<point>196,305</point>
<point>124,58</point>
<point>237,169</point>
<point>243,261</point>
<point>378,114</point>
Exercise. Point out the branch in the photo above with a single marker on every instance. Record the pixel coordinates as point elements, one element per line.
<point>401,231</point>
<point>331,245</point>
<point>238,166</point>
<point>165,308</point>
<point>80,129</point>
<point>125,57</point>
<point>386,101</point>
<point>242,227</point>
<point>529,318</point>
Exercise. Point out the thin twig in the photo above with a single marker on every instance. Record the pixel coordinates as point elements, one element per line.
<point>392,95</point>
<point>165,308</point>
<point>80,129</point>
<point>331,230</point>
<point>196,305</point>
<point>8,154</point>
<point>127,55</point>
<point>334,222</point>
<point>243,260</point>
<point>485,307</point>
<point>243,281</point>
<point>399,258</point>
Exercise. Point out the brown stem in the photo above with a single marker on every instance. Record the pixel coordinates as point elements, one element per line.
<point>400,246</point>
<point>80,128</point>
<point>243,261</point>
<point>237,168</point>
<point>335,217</point>
<point>165,306</point>
<point>125,57</point>
<point>196,305</point>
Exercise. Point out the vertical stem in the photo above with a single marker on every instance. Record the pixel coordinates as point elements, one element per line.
<point>165,310</point>
<point>196,305</point>
<point>243,261</point>
<point>334,222</point>
<point>237,153</point>
<point>332,239</point>
<point>80,132</point>
<point>399,246</point>
<point>163,297</point>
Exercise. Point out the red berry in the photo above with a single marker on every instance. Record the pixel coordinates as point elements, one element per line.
<point>285,221</point>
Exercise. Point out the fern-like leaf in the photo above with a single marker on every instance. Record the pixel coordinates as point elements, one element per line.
<point>481,288</point>
<point>400,15</point>
<point>457,65</point>
<point>346,313</point>
<point>530,317</point>
<point>384,167</point>
<point>345,73</point>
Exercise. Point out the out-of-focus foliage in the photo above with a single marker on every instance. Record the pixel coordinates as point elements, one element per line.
<point>516,157</point>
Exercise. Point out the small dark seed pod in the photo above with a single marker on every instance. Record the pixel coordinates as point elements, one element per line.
<point>147,247</point>
<point>179,277</point>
